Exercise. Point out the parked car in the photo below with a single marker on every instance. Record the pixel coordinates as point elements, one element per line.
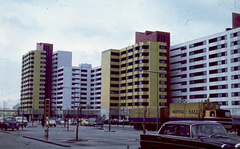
<point>189,134</point>
<point>72,122</point>
<point>59,121</point>
<point>84,122</point>
<point>52,122</point>
<point>106,121</point>
<point>22,121</point>
<point>125,122</point>
<point>114,121</point>
<point>10,122</point>
<point>95,122</point>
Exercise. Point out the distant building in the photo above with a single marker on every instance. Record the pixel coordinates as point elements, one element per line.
<point>208,68</point>
<point>128,75</point>
<point>36,80</point>
<point>73,85</point>
<point>48,75</point>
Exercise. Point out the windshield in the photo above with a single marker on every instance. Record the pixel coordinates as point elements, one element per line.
<point>223,113</point>
<point>20,118</point>
<point>208,130</point>
<point>10,119</point>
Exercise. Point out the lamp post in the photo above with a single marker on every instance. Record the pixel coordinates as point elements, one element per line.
<point>157,73</point>
<point>78,110</point>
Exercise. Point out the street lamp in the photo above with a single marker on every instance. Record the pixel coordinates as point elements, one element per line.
<point>157,88</point>
<point>78,110</point>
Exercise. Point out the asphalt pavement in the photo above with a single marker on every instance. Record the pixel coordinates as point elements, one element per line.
<point>88,137</point>
<point>118,137</point>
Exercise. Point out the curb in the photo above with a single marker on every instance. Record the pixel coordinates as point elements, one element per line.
<point>47,141</point>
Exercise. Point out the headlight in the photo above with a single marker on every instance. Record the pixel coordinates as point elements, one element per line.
<point>237,146</point>
<point>6,123</point>
<point>17,124</point>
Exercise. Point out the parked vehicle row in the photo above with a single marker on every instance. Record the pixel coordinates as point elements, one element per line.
<point>92,122</point>
<point>9,122</point>
<point>116,121</point>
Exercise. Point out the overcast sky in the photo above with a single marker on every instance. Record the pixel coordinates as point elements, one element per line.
<point>88,27</point>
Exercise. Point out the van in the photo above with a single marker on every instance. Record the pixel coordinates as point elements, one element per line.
<point>22,121</point>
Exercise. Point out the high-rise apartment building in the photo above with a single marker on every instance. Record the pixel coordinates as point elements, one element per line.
<point>135,76</point>
<point>36,80</point>
<point>74,87</point>
<point>208,68</point>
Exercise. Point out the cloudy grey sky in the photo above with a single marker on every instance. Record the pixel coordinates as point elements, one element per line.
<point>88,27</point>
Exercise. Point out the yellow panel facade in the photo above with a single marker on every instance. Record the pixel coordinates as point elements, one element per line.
<point>33,74</point>
<point>140,66</point>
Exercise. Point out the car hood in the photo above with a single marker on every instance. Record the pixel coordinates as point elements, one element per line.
<point>220,140</point>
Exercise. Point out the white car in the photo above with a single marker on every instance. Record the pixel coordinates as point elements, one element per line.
<point>22,121</point>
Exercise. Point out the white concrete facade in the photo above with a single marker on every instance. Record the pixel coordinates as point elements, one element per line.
<point>208,68</point>
<point>73,85</point>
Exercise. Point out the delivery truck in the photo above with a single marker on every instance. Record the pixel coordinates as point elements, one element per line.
<point>146,117</point>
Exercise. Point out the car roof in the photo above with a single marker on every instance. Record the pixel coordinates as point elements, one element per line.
<point>191,122</point>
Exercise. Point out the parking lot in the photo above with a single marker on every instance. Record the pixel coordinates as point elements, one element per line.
<point>63,137</point>
<point>32,136</point>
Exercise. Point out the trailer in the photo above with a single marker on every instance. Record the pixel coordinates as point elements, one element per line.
<point>146,117</point>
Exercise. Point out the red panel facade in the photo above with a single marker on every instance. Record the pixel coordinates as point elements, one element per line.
<point>235,20</point>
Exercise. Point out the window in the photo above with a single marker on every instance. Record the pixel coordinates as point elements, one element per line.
<point>197,51</point>
<point>197,59</point>
<point>233,43</point>
<point>115,54</point>
<point>218,95</point>
<point>169,129</point>
<point>162,54</point>
<point>162,61</point>
<point>197,66</point>
<point>236,68</point>
<point>198,74</point>
<point>235,34</point>
<point>162,47</point>
<point>218,55</point>
<point>217,39</point>
<point>218,79</point>
<point>218,71</point>
<point>218,47</point>
<point>218,63</point>
<point>235,77</point>
<point>235,51</point>
<point>183,130</point>
<point>236,102</point>
<point>233,60</point>
<point>235,94</point>
<point>197,44</point>
<point>216,87</point>
<point>198,89</point>
<point>179,48</point>
<point>223,103</point>
<point>198,96</point>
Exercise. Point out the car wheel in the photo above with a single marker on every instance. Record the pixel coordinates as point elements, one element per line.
<point>12,129</point>
<point>5,128</point>
<point>18,128</point>
<point>25,125</point>
<point>55,125</point>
